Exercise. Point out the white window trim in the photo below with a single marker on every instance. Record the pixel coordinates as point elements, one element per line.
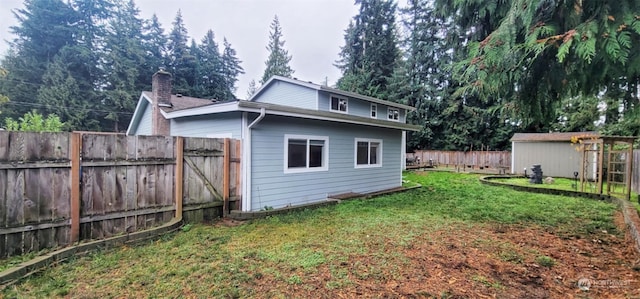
<point>339,98</point>
<point>325,154</point>
<point>389,110</point>
<point>355,153</point>
<point>374,108</point>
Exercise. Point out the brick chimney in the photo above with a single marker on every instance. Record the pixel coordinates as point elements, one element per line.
<point>161,90</point>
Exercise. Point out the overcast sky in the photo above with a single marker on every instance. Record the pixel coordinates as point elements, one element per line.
<point>313,30</point>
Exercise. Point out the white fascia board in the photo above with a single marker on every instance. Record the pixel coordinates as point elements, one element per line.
<point>135,119</point>
<point>316,117</point>
<point>209,109</point>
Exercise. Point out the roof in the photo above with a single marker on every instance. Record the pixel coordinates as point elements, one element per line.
<point>281,110</point>
<point>183,106</point>
<point>179,102</point>
<point>331,90</point>
<point>552,137</point>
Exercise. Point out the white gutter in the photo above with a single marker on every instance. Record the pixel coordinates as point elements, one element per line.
<point>246,158</point>
<point>263,112</point>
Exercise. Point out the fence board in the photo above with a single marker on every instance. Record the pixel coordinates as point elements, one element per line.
<point>130,202</point>
<point>61,194</point>
<point>3,199</point>
<point>635,177</point>
<point>4,147</point>
<point>141,191</point>
<point>15,198</point>
<point>45,193</point>
<point>3,246</point>
<point>31,199</point>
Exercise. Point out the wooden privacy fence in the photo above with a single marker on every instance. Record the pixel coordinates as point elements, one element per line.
<point>59,188</point>
<point>475,159</point>
<point>635,174</point>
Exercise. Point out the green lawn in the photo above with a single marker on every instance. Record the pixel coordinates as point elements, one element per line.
<point>356,246</point>
<point>560,183</point>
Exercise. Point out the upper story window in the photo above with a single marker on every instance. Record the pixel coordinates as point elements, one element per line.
<point>393,114</point>
<point>339,104</point>
<point>303,153</point>
<point>374,111</point>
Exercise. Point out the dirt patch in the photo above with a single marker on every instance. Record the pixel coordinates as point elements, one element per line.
<point>490,261</point>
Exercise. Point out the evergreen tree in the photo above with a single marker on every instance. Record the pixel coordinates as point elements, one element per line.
<point>533,54</point>
<point>577,114</point>
<point>154,42</point>
<point>422,81</point>
<point>179,59</point>
<point>251,90</point>
<point>211,81</point>
<point>231,67</point>
<point>44,27</point>
<point>369,57</point>
<point>279,58</point>
<point>124,62</point>
<point>63,95</point>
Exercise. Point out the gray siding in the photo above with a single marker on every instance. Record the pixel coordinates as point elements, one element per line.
<point>205,125</point>
<point>144,126</point>
<point>284,93</point>
<point>358,107</point>
<point>557,159</point>
<point>272,187</point>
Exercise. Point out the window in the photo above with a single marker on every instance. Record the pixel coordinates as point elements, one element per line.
<point>305,153</point>
<point>394,114</point>
<point>338,104</point>
<point>374,111</point>
<point>368,153</point>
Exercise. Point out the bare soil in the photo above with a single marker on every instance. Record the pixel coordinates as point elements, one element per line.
<point>499,261</point>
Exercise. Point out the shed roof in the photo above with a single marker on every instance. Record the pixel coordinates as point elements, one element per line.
<point>552,137</point>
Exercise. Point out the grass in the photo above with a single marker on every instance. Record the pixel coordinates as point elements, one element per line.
<point>567,184</point>
<point>560,183</point>
<point>299,249</point>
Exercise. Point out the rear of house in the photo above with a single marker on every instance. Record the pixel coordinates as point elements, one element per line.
<point>302,142</point>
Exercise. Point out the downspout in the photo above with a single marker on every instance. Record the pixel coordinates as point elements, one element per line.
<point>246,202</point>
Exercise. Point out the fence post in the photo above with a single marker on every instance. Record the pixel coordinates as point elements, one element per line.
<point>179,175</point>
<point>226,178</point>
<point>76,140</point>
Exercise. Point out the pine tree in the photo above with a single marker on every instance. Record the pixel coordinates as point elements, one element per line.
<point>251,90</point>
<point>278,61</point>
<point>231,67</point>
<point>211,81</point>
<point>370,55</point>
<point>124,62</point>
<point>155,45</point>
<point>62,94</point>
<point>179,56</point>
<point>44,27</point>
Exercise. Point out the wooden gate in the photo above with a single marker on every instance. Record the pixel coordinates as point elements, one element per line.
<point>202,179</point>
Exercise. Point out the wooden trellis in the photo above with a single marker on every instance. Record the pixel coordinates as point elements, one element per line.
<point>618,152</point>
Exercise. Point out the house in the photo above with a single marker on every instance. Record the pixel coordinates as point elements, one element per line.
<point>555,152</point>
<point>301,142</point>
